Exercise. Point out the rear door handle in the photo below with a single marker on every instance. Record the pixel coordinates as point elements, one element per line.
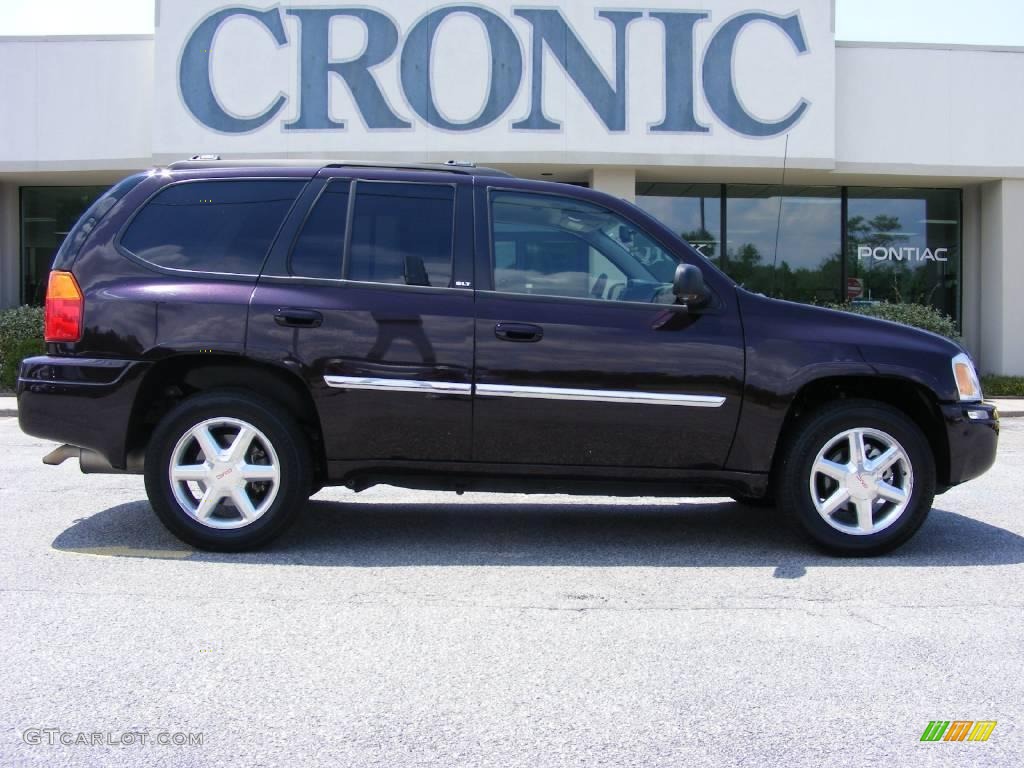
<point>298,318</point>
<point>518,332</point>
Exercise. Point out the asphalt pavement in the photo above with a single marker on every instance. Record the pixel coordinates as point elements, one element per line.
<point>398,628</point>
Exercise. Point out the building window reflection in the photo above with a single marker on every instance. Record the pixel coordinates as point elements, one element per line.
<point>785,242</point>
<point>47,215</point>
<point>693,211</point>
<point>901,244</point>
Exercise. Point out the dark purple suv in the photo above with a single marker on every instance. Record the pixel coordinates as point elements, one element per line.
<point>244,335</point>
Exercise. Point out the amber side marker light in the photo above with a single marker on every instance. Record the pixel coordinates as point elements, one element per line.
<point>64,305</point>
<point>966,377</point>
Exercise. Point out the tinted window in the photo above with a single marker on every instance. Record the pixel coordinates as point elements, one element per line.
<point>319,247</point>
<point>785,241</point>
<point>903,245</point>
<point>692,211</point>
<point>402,233</point>
<point>555,246</point>
<point>219,226</point>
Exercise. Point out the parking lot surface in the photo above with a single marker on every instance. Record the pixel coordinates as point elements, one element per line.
<point>399,628</point>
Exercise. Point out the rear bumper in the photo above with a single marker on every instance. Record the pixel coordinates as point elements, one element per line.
<point>972,430</point>
<point>84,402</point>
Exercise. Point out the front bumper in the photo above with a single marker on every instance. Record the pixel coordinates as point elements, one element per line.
<point>84,402</point>
<point>972,431</point>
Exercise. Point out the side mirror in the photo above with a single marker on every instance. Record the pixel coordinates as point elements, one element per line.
<point>688,286</point>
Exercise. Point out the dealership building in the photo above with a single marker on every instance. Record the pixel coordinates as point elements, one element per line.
<point>806,168</point>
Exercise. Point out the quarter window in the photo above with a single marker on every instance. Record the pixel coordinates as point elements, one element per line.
<point>216,226</point>
<point>554,246</point>
<point>402,233</point>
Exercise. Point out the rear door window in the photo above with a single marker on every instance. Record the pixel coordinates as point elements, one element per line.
<point>320,245</point>
<point>402,233</point>
<point>212,226</point>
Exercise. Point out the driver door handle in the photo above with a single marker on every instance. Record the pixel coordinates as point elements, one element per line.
<point>518,332</point>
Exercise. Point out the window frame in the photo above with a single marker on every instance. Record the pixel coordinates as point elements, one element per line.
<point>490,191</point>
<point>245,277</point>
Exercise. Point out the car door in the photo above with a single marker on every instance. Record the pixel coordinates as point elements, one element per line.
<point>359,298</point>
<point>582,357</point>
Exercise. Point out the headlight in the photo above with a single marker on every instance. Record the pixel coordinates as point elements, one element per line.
<point>966,377</point>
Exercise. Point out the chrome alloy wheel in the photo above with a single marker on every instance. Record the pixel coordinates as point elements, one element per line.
<point>861,481</point>
<point>224,473</point>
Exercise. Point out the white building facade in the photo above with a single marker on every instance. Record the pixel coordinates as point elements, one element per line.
<point>805,168</point>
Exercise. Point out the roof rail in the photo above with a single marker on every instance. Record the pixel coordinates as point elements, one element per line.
<point>451,166</point>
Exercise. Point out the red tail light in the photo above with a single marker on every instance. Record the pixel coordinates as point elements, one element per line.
<point>64,306</point>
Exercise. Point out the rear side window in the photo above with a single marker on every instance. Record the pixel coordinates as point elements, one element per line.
<point>402,233</point>
<point>94,215</point>
<point>216,226</point>
<point>319,248</point>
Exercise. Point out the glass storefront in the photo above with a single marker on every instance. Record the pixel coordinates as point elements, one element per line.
<point>692,210</point>
<point>903,245</point>
<point>900,245</point>
<point>47,215</point>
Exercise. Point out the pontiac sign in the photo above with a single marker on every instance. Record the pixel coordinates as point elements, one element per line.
<point>627,78</point>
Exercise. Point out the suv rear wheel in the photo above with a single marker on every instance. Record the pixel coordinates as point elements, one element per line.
<point>227,471</point>
<point>859,477</point>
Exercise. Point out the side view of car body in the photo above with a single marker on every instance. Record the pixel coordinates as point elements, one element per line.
<point>244,335</point>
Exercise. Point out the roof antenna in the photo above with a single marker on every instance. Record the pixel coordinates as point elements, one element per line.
<point>778,223</point>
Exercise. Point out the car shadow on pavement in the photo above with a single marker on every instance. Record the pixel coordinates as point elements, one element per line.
<point>343,534</point>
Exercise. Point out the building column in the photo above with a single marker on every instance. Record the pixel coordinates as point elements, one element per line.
<point>620,182</point>
<point>10,260</point>
<point>1002,278</point>
<point>970,272</point>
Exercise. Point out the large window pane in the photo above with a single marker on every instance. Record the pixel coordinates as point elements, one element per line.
<point>692,211</point>
<point>402,233</point>
<point>47,215</point>
<point>806,225</point>
<point>904,246</point>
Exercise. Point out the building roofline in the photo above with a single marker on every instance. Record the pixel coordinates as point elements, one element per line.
<point>931,46</point>
<point>72,38</point>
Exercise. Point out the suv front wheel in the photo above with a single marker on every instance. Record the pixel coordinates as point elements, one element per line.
<point>858,476</point>
<point>227,471</point>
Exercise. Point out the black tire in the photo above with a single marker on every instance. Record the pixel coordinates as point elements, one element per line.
<point>812,434</point>
<point>286,440</point>
<point>760,502</point>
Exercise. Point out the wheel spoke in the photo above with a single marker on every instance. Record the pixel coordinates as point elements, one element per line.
<point>240,445</point>
<point>190,472</point>
<point>208,503</point>
<point>835,501</point>
<point>857,453</point>
<point>885,461</point>
<point>243,504</point>
<point>865,518</point>
<point>891,493</point>
<point>831,469</point>
<point>211,450</point>
<point>258,472</point>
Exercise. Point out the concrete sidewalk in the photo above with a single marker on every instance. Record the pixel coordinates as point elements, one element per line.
<point>1008,407</point>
